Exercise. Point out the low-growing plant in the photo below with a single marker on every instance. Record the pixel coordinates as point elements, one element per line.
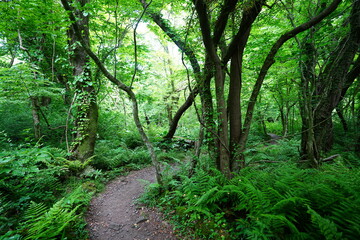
<point>277,202</point>
<point>49,223</point>
<point>36,200</point>
<point>284,150</point>
<point>110,156</point>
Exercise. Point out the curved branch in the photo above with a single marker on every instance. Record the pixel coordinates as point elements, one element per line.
<point>246,22</point>
<point>120,85</point>
<point>189,101</point>
<point>171,33</point>
<point>135,43</point>
<point>228,7</point>
<point>270,59</point>
<point>175,37</point>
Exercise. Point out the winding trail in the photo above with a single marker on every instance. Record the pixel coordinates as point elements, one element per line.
<point>113,215</point>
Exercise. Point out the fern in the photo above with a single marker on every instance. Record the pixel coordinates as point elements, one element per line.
<point>327,228</point>
<point>278,223</point>
<point>35,210</point>
<point>277,202</point>
<point>48,224</point>
<point>208,197</point>
<point>347,216</point>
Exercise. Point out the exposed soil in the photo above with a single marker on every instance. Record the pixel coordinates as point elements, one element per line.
<point>113,215</point>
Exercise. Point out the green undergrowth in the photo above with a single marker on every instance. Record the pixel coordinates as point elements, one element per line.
<point>110,155</point>
<point>283,151</point>
<point>280,201</point>
<point>44,196</point>
<point>37,194</point>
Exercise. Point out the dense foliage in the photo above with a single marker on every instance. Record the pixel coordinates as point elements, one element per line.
<point>257,101</point>
<point>35,201</point>
<point>44,195</point>
<point>264,201</point>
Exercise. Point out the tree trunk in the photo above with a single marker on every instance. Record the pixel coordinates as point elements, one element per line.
<point>309,150</point>
<point>235,111</point>
<point>121,86</point>
<point>198,145</point>
<point>335,80</point>
<point>236,146</point>
<point>35,108</point>
<point>87,113</point>
<point>322,94</point>
<point>222,141</point>
<point>143,135</point>
<point>207,117</point>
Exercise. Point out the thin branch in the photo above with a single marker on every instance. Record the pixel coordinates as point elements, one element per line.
<point>21,44</point>
<point>328,159</point>
<point>135,43</point>
<point>175,37</point>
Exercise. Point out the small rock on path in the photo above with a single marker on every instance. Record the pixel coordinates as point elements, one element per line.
<point>113,215</point>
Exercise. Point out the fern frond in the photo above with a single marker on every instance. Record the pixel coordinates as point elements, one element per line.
<point>49,224</point>
<point>278,222</point>
<point>201,210</point>
<point>35,210</point>
<point>327,227</point>
<point>288,203</point>
<point>208,197</point>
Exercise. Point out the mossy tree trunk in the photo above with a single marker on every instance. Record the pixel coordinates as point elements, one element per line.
<point>128,89</point>
<point>334,81</point>
<point>87,111</point>
<point>323,92</point>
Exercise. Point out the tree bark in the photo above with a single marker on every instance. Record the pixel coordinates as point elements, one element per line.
<point>35,109</point>
<point>321,94</point>
<point>335,80</point>
<point>235,111</point>
<point>309,151</point>
<point>87,112</point>
<point>207,116</point>
<point>234,99</point>
<point>342,118</point>
<point>221,141</point>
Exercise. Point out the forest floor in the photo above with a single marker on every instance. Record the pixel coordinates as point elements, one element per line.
<point>113,215</point>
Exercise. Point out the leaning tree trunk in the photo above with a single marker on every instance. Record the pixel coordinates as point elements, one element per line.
<point>340,114</point>
<point>87,112</point>
<point>335,80</point>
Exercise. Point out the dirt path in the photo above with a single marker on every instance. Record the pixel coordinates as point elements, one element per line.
<point>113,215</point>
